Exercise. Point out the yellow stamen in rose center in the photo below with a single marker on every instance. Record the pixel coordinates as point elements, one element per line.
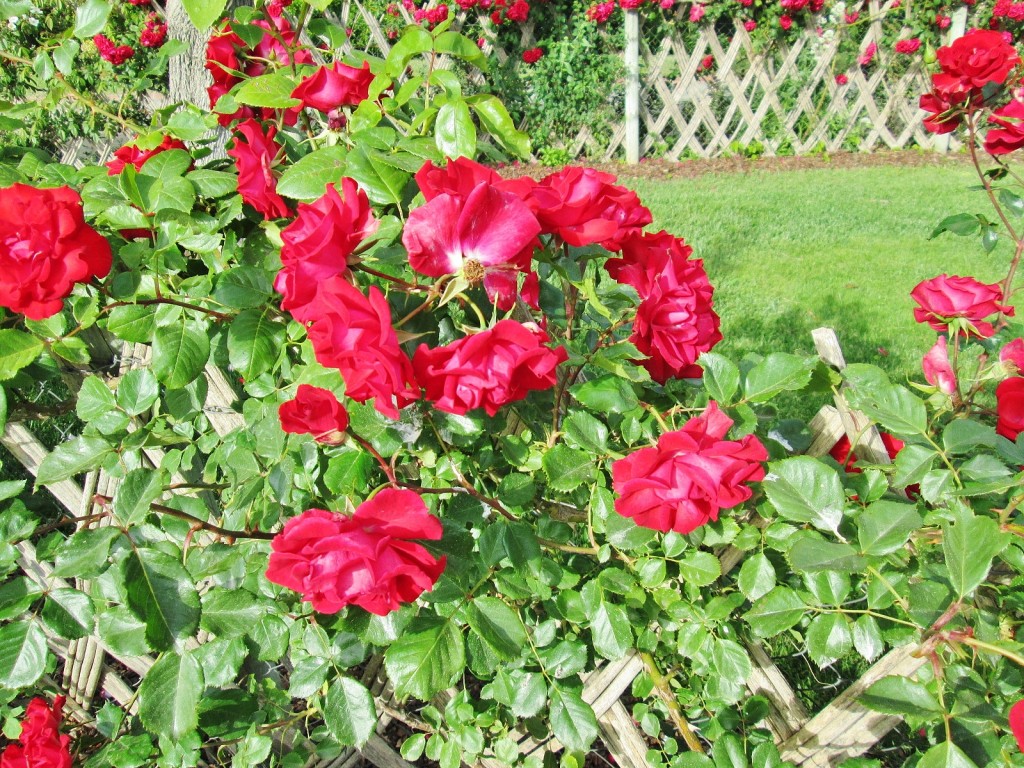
<point>473,271</point>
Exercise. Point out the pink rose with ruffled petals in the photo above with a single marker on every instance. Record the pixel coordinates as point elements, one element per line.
<point>352,332</point>
<point>332,87</point>
<point>489,369</point>
<point>366,559</point>
<point>319,243</point>
<point>256,154</point>
<point>944,300</point>
<point>689,476</point>
<point>937,370</point>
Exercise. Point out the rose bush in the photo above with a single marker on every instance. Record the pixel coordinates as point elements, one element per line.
<point>371,408</point>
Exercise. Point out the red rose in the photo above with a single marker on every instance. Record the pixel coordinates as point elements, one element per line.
<point>944,112</point>
<point>45,248</point>
<point>842,79</point>
<point>707,62</point>
<point>462,175</point>
<point>848,460</point>
<point>488,369</point>
<point>908,46</point>
<point>584,206</point>
<point>319,242</point>
<point>1016,718</point>
<point>937,370</point>
<point>681,483</point>
<point>1012,356</point>
<point>785,22</point>
<point>330,88</point>
<point>973,61</point>
<point>130,154</point>
<point>352,332</point>
<point>365,559</point>
<point>532,55</point>
<point>42,745</point>
<point>519,11</point>
<point>644,257</point>
<point>1009,136</point>
<point>962,301</point>
<point>154,33</point>
<point>255,158</point>
<point>1010,407</point>
<point>317,412</point>
<point>115,54</point>
<point>676,321</point>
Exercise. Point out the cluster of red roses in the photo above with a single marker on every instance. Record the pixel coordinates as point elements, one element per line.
<point>978,59</point>
<point>110,51</point>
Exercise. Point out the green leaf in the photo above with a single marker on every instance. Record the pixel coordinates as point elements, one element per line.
<point>72,458</point>
<point>133,323</point>
<point>612,633</point>
<point>94,399</point>
<point>572,719</point>
<point>242,287</point>
<point>162,594</point>
<point>230,612</point>
<point>137,390</point>
<point>91,18</point>
<point>567,468</point>
<point>776,612</point>
<point>454,131</point>
<point>498,626</point>
<point>964,435</point>
<point>22,654</point>
<point>495,119</point>
<point>805,490</point>
<point>885,526</point>
<point>425,662</point>
<point>17,596</point>
<point>17,350</point>
<point>721,377</point>
<point>961,224</point>
<point>894,407</point>
<point>814,555</point>
<point>757,576</point>
<point>212,183</point>
<point>3,410</point>
<point>254,342</point>
<point>349,712</point>
<point>969,547</point>
<point>140,488</point>
<point>901,696</point>
<point>382,181</point>
<point>169,696</point>
<point>272,90</point>
<point>700,568</point>
<point>731,666</point>
<point>85,554</point>
<point>946,755</point>
<point>606,394</point>
<point>912,464</point>
<point>461,47</point>
<point>414,40</point>
<point>587,432</point>
<point>69,613</point>
<point>123,631</point>
<point>307,180</point>
<point>828,638</point>
<point>867,637</point>
<point>777,373</point>
<point>180,352</point>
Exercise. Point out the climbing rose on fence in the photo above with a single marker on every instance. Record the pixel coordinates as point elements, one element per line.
<point>154,33</point>
<point>314,411</point>
<point>320,241</point>
<point>908,46</point>
<point>352,332</point>
<point>980,57</point>
<point>115,54</point>
<point>255,155</point>
<point>1010,407</point>
<point>45,248</point>
<point>130,154</point>
<point>332,87</point>
<point>689,476</point>
<point>944,301</point>
<point>532,55</point>
<point>365,559</point>
<point>937,370</point>
<point>41,743</point>
<point>489,369</point>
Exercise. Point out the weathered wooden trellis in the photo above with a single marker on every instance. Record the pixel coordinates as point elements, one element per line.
<point>841,730</point>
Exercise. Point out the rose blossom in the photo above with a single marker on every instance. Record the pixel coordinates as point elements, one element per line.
<point>532,55</point>
<point>869,54</point>
<point>696,12</point>
<point>41,743</point>
<point>785,22</point>
<point>154,33</point>
<point>352,332</point>
<point>842,79</point>
<point>462,175</point>
<point>847,459</point>
<point>973,61</point>
<point>943,114</point>
<point>489,369</point>
<point>332,87</point>
<point>750,25</point>
<point>1010,407</point>
<point>676,322</point>
<point>318,243</point>
<point>645,256</point>
<point>115,54</point>
<point>255,158</point>
<point>936,367</point>
<point>908,46</point>
<point>519,11</point>
<point>1016,718</point>
<point>681,483</point>
<point>1009,135</point>
<point>130,154</point>
<point>365,559</point>
<point>314,411</point>
<point>707,62</point>
<point>45,248</point>
<point>944,299</point>
<point>1012,356</point>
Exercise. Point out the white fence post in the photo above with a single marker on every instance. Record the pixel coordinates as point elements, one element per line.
<point>632,87</point>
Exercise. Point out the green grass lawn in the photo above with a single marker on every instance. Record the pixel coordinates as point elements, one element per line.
<point>791,251</point>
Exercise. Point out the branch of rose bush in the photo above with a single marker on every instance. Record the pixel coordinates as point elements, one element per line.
<point>675,711</point>
<point>223,317</point>
<point>107,501</point>
<point>389,470</point>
